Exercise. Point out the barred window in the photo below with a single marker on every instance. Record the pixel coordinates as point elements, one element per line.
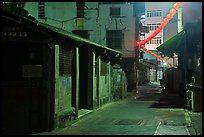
<point>80,9</point>
<point>153,27</point>
<point>114,39</point>
<point>41,10</point>
<point>114,11</point>
<point>155,40</point>
<point>154,13</point>
<point>65,62</point>
<point>142,36</point>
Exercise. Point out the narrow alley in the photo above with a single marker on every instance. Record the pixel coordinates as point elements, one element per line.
<point>101,68</point>
<point>147,112</point>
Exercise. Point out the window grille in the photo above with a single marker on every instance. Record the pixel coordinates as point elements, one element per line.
<point>154,13</point>
<point>156,40</point>
<point>104,70</point>
<point>41,10</point>
<point>114,11</point>
<point>80,9</point>
<point>114,39</point>
<point>153,27</point>
<point>65,62</point>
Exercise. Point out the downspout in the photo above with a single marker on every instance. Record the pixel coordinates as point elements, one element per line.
<point>136,48</point>
<point>98,79</point>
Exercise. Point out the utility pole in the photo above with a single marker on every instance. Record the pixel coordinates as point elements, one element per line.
<point>136,50</point>
<point>137,29</point>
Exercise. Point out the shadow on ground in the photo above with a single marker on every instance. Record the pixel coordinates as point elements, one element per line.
<point>168,101</point>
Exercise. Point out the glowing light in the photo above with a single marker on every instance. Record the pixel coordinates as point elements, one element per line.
<point>176,6</point>
<point>168,16</point>
<point>162,25</point>
<point>172,11</point>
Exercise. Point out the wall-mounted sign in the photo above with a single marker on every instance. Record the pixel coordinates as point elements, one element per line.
<point>14,32</point>
<point>33,71</point>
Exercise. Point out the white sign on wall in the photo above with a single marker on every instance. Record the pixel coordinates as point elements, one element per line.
<point>34,71</point>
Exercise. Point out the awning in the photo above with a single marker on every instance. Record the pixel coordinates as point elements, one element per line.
<point>77,38</point>
<point>173,45</point>
<point>188,39</point>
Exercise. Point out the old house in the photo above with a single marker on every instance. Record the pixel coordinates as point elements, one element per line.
<point>50,74</point>
<point>110,24</point>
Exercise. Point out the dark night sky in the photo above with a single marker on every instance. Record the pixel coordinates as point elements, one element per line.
<point>192,11</point>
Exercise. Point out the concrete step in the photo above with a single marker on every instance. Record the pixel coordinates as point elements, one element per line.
<point>83,112</point>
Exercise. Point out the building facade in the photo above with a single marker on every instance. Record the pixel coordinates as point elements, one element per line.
<point>111,24</point>
<point>57,75</point>
<point>155,12</point>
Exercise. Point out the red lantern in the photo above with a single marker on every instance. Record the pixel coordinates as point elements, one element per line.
<point>176,6</point>
<point>172,12</point>
<point>165,21</point>
<point>151,36</point>
<point>160,28</point>
<point>156,32</point>
<point>168,21</point>
<point>145,41</point>
<point>163,24</point>
<point>168,16</point>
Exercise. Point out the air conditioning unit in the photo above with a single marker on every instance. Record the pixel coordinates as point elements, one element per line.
<point>80,22</point>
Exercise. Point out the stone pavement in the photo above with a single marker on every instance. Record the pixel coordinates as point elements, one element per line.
<point>144,112</point>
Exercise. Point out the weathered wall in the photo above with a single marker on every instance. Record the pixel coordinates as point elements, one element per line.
<point>104,86</point>
<point>63,94</point>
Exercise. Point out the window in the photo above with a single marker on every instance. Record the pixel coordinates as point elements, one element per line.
<point>65,62</point>
<point>114,11</point>
<point>142,37</point>
<point>41,10</point>
<point>153,27</point>
<point>155,40</point>
<point>154,13</point>
<point>82,33</point>
<point>80,9</point>
<point>104,69</point>
<point>114,39</point>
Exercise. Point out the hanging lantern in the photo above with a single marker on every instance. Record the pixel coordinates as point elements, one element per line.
<point>165,21</point>
<point>162,25</point>
<point>156,32</point>
<point>176,6</point>
<point>172,12</point>
<point>168,16</point>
